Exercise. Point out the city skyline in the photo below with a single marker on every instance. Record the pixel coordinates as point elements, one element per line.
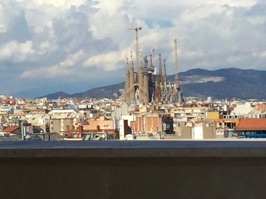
<point>74,45</point>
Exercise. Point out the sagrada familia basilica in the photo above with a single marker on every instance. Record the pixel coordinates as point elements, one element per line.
<point>146,83</point>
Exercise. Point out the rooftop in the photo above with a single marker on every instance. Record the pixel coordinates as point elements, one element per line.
<point>256,124</point>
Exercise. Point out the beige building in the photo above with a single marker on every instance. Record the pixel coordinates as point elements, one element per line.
<point>148,123</point>
<point>196,130</point>
<point>62,125</point>
<point>100,124</point>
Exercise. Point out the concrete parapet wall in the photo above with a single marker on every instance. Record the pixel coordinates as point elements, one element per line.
<point>133,169</point>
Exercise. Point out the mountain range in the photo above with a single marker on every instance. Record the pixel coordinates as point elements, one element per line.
<point>226,83</point>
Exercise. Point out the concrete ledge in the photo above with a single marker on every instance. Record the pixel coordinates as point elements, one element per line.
<point>133,169</point>
<point>133,149</point>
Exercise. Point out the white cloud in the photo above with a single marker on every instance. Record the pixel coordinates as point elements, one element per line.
<point>107,62</point>
<point>237,3</point>
<point>263,54</point>
<point>2,20</point>
<point>17,52</point>
<point>62,69</point>
<point>202,12</point>
<point>60,3</point>
<point>110,21</point>
<point>112,7</point>
<point>65,38</point>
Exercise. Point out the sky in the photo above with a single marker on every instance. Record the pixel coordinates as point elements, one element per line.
<point>74,45</point>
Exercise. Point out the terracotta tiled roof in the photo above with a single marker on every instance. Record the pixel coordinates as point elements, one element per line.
<point>10,129</point>
<point>256,124</point>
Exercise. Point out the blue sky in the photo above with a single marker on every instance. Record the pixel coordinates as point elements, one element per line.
<point>74,45</point>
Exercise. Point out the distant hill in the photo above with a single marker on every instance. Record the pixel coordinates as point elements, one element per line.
<point>219,84</point>
<point>101,92</point>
